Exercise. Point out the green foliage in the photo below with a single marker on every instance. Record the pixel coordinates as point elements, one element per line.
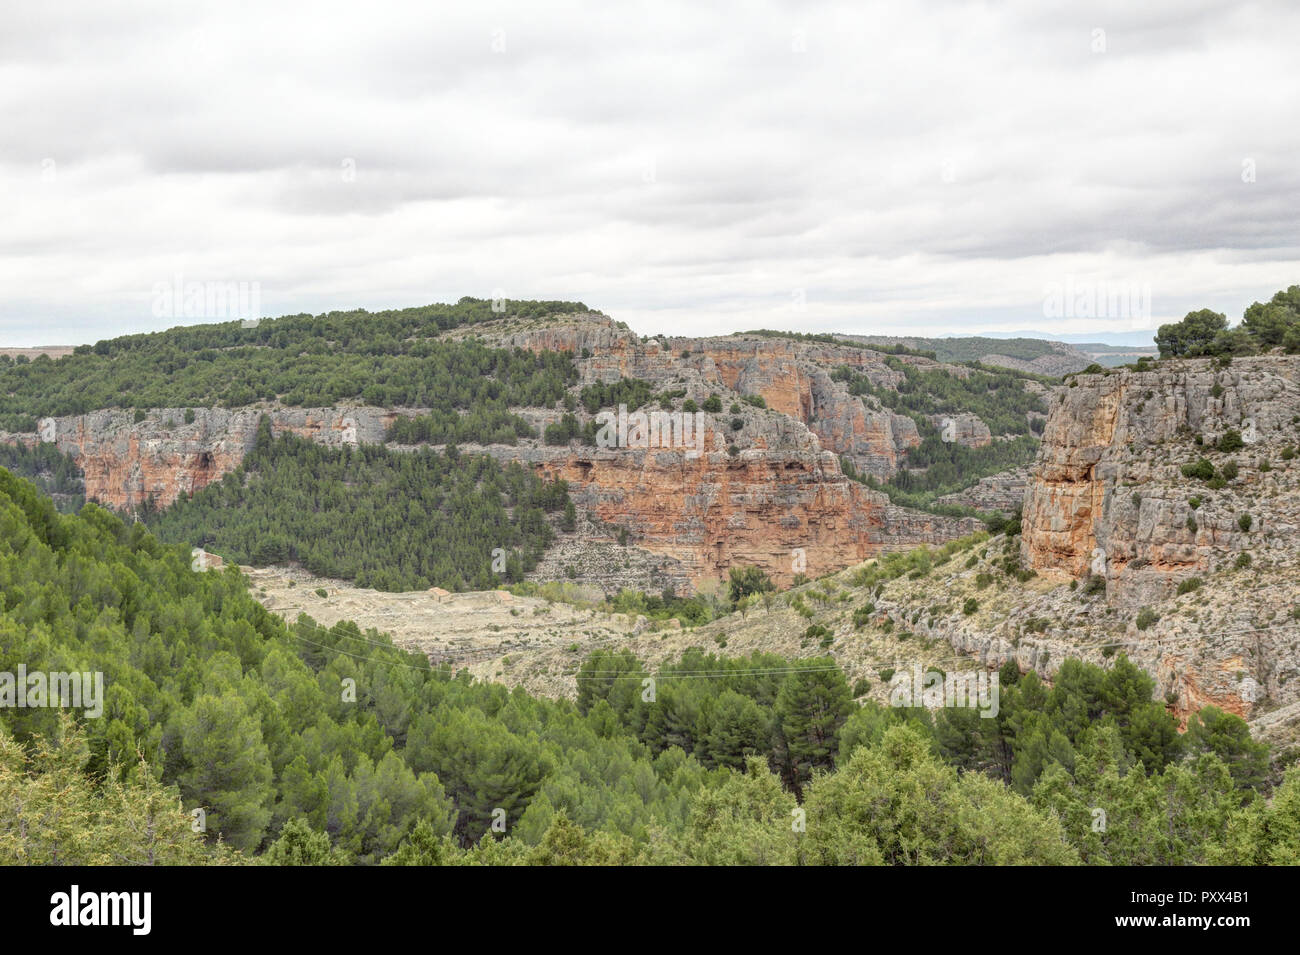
<point>1199,333</point>
<point>1147,618</point>
<point>632,392</point>
<point>743,581</point>
<point>1201,469</point>
<point>1229,441</point>
<point>54,472</point>
<point>384,519</point>
<point>1263,326</point>
<point>998,397</point>
<point>393,359</point>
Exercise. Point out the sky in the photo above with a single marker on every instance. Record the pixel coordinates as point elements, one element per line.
<point>918,168</point>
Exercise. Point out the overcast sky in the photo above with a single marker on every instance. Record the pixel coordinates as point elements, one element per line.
<point>909,168</point>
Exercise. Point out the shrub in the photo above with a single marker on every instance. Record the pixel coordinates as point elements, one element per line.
<point>1191,523</point>
<point>1230,441</point>
<point>1095,584</point>
<point>713,403</point>
<point>1229,471</point>
<point>970,606</point>
<point>1242,562</point>
<point>321,592</point>
<point>886,674</point>
<point>1147,618</point>
<point>1244,522</point>
<point>1189,585</point>
<point>1202,469</point>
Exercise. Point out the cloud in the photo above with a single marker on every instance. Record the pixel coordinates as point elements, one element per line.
<point>921,168</point>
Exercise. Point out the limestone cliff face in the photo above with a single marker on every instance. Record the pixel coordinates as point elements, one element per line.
<point>1107,494</point>
<point>784,506</point>
<point>792,377</point>
<point>128,463</point>
<point>1108,498</point>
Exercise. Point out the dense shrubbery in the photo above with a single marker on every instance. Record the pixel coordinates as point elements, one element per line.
<point>49,469</point>
<point>484,425</point>
<point>949,467</point>
<point>385,519</point>
<point>999,398</point>
<point>388,358</point>
<point>322,746</point>
<point>1263,326</point>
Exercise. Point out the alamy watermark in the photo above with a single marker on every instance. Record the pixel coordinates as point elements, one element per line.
<point>932,689</point>
<point>230,300</point>
<point>654,429</point>
<point>1077,298</point>
<point>39,689</point>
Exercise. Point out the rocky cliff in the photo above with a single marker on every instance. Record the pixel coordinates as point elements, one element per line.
<point>1108,494</point>
<point>1173,495</point>
<point>128,463</point>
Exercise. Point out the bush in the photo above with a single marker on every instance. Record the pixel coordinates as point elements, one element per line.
<point>1147,618</point>
<point>1202,470</point>
<point>1244,522</point>
<point>1191,523</point>
<point>1229,471</point>
<point>1230,441</point>
<point>1189,585</point>
<point>1095,584</point>
<point>970,606</point>
<point>886,674</point>
<point>713,404</point>
<point>321,592</point>
<point>1242,562</point>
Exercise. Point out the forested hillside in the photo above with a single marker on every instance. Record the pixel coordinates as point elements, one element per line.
<point>385,519</point>
<point>310,745</point>
<point>385,358</point>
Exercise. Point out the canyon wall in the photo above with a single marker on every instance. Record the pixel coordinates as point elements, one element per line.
<point>1212,561</point>
<point>128,463</point>
<point>1107,494</point>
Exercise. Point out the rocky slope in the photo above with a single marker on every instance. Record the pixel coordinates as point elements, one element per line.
<point>1108,495</point>
<point>765,488</point>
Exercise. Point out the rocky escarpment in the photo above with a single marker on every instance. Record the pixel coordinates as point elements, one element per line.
<point>129,464</point>
<point>784,506</point>
<point>791,376</point>
<point>1108,495</point>
<point>1146,502</point>
<point>763,493</point>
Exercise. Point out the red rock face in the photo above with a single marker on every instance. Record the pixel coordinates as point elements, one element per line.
<point>786,512</point>
<point>780,512</point>
<point>792,377</point>
<point>128,465</point>
<point>780,502</point>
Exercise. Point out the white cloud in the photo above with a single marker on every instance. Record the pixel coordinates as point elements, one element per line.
<point>922,168</point>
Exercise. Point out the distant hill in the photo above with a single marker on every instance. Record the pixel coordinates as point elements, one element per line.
<point>1034,355</point>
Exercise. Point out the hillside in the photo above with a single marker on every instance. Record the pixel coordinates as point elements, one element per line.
<point>812,454</point>
<point>310,745</point>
